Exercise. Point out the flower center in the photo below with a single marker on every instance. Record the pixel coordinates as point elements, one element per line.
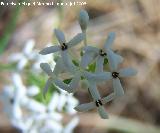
<point>98,103</point>
<point>11,100</point>
<point>64,46</point>
<point>115,74</point>
<point>102,53</point>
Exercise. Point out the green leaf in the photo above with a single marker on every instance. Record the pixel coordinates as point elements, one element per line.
<point>40,81</point>
<point>67,81</point>
<point>105,61</point>
<point>91,67</point>
<point>81,53</point>
<point>75,63</point>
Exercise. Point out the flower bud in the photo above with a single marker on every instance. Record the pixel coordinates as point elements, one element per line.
<point>83,19</point>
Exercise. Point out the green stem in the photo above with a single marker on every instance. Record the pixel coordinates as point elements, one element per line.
<point>85,38</point>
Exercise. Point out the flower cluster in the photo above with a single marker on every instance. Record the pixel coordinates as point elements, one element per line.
<point>80,71</point>
<point>24,110</point>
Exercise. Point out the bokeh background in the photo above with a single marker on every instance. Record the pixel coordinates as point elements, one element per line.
<point>137,27</point>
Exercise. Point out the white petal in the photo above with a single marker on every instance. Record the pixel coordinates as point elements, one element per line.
<point>59,67</point>
<point>60,36</point>
<point>74,83</point>
<point>62,85</point>
<point>54,101</point>
<point>17,112</point>
<point>67,61</point>
<point>20,125</point>
<point>62,102</point>
<point>91,49</point>
<point>22,63</point>
<point>112,61</point>
<point>46,68</point>
<point>71,100</point>
<point>71,103</point>
<point>108,98</point>
<point>99,77</point>
<point>56,127</point>
<point>49,50</point>
<point>29,47</point>
<point>71,125</point>
<point>70,110</point>
<point>110,39</point>
<point>102,112</point>
<point>118,90</point>
<point>99,64</point>
<point>76,40</point>
<point>20,89</point>
<point>7,91</point>
<point>41,116</point>
<point>17,81</point>
<point>34,106</point>
<point>118,58</point>
<point>33,90</point>
<point>85,107</point>
<point>126,72</point>
<point>86,59</point>
<point>93,90</point>
<point>16,57</point>
<point>55,116</point>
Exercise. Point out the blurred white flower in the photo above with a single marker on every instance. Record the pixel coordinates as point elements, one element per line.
<point>10,105</point>
<point>68,101</point>
<point>22,58</point>
<point>39,59</point>
<point>71,125</point>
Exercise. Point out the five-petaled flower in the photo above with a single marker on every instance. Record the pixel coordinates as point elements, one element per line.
<point>93,53</point>
<point>63,47</point>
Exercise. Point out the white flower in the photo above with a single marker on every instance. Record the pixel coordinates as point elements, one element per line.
<point>116,74</point>
<point>23,57</point>
<point>96,104</point>
<point>24,125</point>
<point>14,96</point>
<point>66,100</point>
<point>63,47</point>
<point>44,112</point>
<point>10,104</point>
<point>39,59</point>
<point>92,53</point>
<point>71,125</point>
<point>47,116</point>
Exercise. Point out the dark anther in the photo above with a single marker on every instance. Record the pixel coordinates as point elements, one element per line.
<point>98,103</point>
<point>102,53</point>
<point>11,100</point>
<point>47,110</point>
<point>64,46</point>
<point>115,74</point>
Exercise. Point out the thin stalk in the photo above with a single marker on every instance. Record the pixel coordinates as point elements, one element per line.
<point>85,38</point>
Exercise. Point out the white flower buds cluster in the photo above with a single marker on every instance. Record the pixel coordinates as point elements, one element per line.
<point>80,72</point>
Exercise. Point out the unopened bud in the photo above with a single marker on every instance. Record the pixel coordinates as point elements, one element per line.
<point>83,19</point>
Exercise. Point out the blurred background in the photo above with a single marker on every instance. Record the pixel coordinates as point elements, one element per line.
<point>137,27</point>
